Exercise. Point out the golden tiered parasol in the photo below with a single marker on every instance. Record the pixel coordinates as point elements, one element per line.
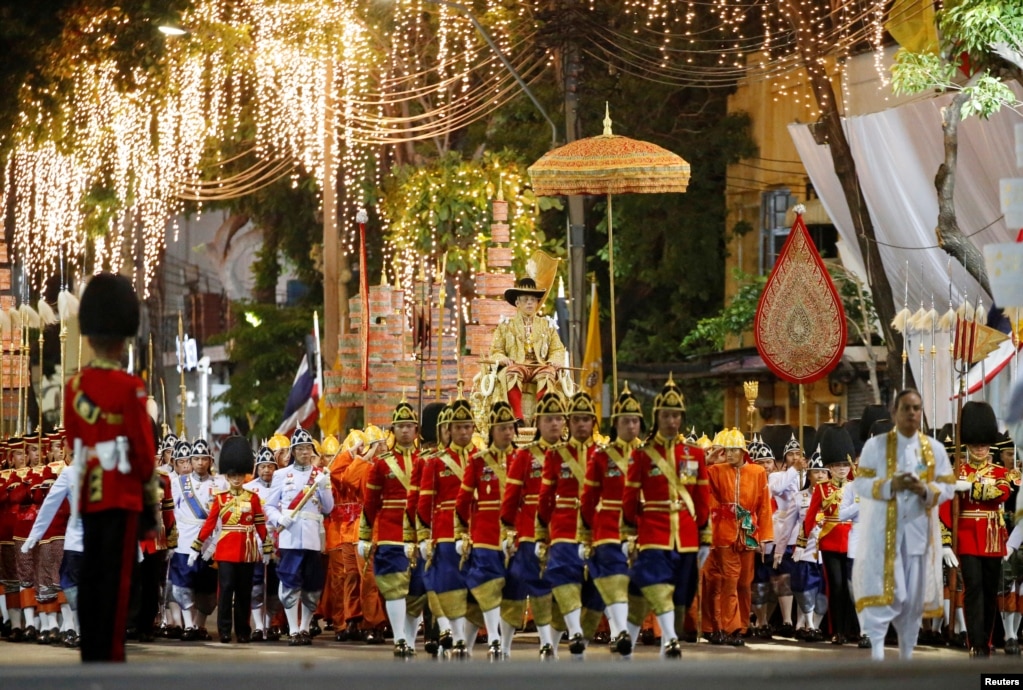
<point>609,164</point>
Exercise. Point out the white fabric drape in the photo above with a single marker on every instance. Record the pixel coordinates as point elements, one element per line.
<point>897,154</point>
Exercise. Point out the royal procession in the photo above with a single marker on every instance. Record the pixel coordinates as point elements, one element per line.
<point>613,344</point>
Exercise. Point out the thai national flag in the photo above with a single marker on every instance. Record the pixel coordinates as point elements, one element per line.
<point>301,410</point>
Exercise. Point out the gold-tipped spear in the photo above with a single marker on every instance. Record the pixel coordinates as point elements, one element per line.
<point>752,390</point>
<point>181,368</point>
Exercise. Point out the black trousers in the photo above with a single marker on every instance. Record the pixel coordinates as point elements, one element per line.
<point>236,596</point>
<point>838,571</point>
<point>981,580</point>
<point>149,577</point>
<point>108,556</point>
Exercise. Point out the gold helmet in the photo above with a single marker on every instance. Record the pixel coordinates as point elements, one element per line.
<point>730,438</point>
<point>670,397</point>
<point>704,442</point>
<point>278,442</point>
<point>354,437</point>
<point>374,433</point>
<point>330,445</point>
<point>461,411</point>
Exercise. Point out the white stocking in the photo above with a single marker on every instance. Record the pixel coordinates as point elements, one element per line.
<point>396,616</point>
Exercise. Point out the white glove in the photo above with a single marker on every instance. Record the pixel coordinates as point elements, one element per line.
<point>1009,550</point>
<point>582,552</point>
<point>964,485</point>
<point>285,521</point>
<point>266,558</point>
<point>363,549</point>
<point>322,480</point>
<point>949,557</point>
<point>460,547</point>
<point>539,548</point>
<point>508,546</point>
<point>424,549</point>
<point>798,553</point>
<point>778,555</point>
<point>626,548</point>
<point>410,548</point>
<point>192,558</point>
<point>29,545</point>
<point>701,556</point>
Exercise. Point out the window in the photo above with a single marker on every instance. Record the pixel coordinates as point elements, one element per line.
<point>773,229</point>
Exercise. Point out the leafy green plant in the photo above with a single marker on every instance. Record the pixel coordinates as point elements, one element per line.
<point>735,319</point>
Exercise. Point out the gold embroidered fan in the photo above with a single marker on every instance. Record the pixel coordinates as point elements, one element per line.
<point>800,324</point>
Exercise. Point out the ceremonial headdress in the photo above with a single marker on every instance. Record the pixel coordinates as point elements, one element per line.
<point>582,403</point>
<point>836,446</point>
<point>265,456</point>
<point>109,307</point>
<point>626,404</point>
<point>704,441</point>
<point>793,446</point>
<point>330,445</point>
<point>501,413</point>
<point>670,397</point>
<point>300,437</point>
<point>169,441</point>
<point>815,462</point>
<point>278,442</point>
<point>550,405</point>
<point>881,426</point>
<point>461,410</point>
<point>235,456</point>
<point>1004,442</point>
<point>872,414</point>
<point>374,433</point>
<point>182,450</point>
<point>201,448</point>
<point>979,424</point>
<point>730,438</point>
<point>403,412</point>
<point>762,452</point>
<point>431,420</point>
<point>523,287</point>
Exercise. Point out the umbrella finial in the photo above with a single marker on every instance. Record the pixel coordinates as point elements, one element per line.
<point>607,119</point>
<point>500,189</point>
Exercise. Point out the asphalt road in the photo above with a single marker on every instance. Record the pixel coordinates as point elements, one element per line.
<point>777,664</point>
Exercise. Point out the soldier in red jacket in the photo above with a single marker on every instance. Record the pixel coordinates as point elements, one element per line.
<point>983,488</point>
<point>107,425</point>
<point>478,506</point>
<point>387,533</point>
<point>441,479</point>
<point>518,518</point>
<point>236,517</point>
<point>666,501</point>
<point>837,452</point>
<point>601,512</point>
<point>557,522</point>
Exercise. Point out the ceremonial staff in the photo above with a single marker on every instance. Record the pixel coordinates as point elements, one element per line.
<point>181,368</point>
<point>441,298</point>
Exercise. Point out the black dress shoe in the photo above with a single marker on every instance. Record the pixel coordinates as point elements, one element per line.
<point>17,635</point>
<point>602,637</point>
<point>244,639</point>
<point>432,647</point>
<point>374,637</point>
<point>189,634</point>
<point>577,645</point>
<point>494,651</point>
<point>459,651</point>
<point>258,636</point>
<point>717,638</point>
<point>203,635</point>
<point>673,650</point>
<point>647,637</point>
<point>839,640</point>
<point>295,640</point>
<point>622,643</point>
<point>735,640</point>
<point>273,634</point>
<point>1012,647</point>
<point>980,652</point>
<point>31,634</point>
<point>175,632</point>
<point>44,637</point>
<point>546,652</point>
<point>315,629</point>
<point>786,630</point>
<point>446,640</point>
<point>864,642</point>
<point>70,639</point>
<point>225,639</point>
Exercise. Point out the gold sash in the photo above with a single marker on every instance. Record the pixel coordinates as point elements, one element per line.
<point>455,468</point>
<point>399,473</point>
<point>621,462</point>
<point>676,488</point>
<point>498,468</point>
<point>578,471</point>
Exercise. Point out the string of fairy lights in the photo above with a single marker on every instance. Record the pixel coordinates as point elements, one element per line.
<point>94,180</point>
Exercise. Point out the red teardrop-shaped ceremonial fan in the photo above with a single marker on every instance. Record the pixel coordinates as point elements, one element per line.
<point>800,325</point>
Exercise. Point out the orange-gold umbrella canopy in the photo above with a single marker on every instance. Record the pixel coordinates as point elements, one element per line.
<point>609,164</point>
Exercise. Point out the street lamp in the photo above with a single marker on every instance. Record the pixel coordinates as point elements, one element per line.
<point>463,10</point>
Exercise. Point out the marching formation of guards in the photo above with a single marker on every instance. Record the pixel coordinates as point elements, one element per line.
<point>582,539</point>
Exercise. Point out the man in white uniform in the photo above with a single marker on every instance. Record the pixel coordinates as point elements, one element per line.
<point>902,478</point>
<point>300,496</point>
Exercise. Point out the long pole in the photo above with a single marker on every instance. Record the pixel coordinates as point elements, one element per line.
<point>181,369</point>
<point>441,299</point>
<point>614,328</point>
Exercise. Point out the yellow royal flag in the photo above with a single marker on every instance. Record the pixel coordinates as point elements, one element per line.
<point>592,375</point>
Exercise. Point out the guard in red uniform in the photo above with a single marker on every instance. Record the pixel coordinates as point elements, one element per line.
<point>557,521</point>
<point>983,488</point>
<point>107,425</point>
<point>441,479</point>
<point>601,512</point>
<point>478,506</point>
<point>837,452</point>
<point>20,595</point>
<point>518,518</point>
<point>387,533</point>
<point>236,517</point>
<point>667,502</point>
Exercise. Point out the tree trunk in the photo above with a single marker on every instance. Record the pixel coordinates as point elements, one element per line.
<point>950,237</point>
<point>845,169</point>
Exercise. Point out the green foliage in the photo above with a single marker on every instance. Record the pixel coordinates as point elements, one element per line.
<point>264,359</point>
<point>858,303</point>
<point>735,319</point>
<point>969,28</point>
<point>444,206</point>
